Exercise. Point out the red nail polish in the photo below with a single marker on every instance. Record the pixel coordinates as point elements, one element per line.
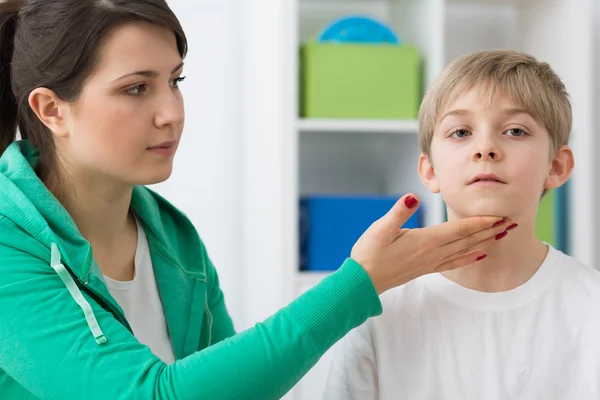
<point>499,223</point>
<point>513,226</point>
<point>501,235</point>
<point>481,257</point>
<point>410,202</point>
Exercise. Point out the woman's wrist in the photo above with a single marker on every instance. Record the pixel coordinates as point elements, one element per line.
<point>376,279</point>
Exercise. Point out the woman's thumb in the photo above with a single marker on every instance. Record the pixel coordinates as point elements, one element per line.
<point>397,216</point>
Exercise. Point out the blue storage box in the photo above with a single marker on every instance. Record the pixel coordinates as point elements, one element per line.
<point>331,224</point>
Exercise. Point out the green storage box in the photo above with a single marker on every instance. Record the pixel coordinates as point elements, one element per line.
<point>342,80</point>
<point>551,225</point>
<point>544,224</point>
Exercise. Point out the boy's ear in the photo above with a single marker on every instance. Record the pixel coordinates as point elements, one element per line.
<point>562,165</point>
<point>427,174</point>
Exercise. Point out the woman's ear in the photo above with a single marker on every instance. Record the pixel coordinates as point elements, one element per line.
<point>561,168</point>
<point>47,106</point>
<point>427,174</point>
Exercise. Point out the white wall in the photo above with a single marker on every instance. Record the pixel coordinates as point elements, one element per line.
<point>206,182</point>
<point>596,111</point>
<point>486,27</point>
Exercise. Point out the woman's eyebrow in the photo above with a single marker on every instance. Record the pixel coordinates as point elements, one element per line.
<point>148,73</point>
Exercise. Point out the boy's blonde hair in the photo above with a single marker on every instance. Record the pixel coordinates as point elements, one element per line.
<point>530,83</point>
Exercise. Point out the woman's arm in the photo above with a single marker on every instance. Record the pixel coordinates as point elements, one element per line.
<point>222,325</point>
<point>47,346</point>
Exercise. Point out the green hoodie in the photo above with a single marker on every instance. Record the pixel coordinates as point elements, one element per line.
<point>63,336</point>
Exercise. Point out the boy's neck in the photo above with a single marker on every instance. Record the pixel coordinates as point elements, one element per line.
<point>510,262</point>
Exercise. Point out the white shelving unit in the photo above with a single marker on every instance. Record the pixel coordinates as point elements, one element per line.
<point>360,126</point>
<point>285,156</point>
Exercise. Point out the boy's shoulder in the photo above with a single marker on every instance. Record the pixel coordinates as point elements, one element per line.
<point>409,302</point>
<point>433,311</point>
<point>559,276</point>
<point>581,276</point>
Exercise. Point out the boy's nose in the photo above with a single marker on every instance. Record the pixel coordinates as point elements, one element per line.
<point>491,156</point>
<point>487,152</point>
<point>486,146</point>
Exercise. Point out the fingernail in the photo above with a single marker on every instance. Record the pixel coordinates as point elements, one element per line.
<point>481,257</point>
<point>410,202</point>
<point>501,235</point>
<point>498,223</point>
<point>513,226</point>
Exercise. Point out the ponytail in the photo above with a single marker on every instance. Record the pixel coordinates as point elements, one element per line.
<point>9,12</point>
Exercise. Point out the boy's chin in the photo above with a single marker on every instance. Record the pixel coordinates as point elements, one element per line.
<point>478,210</point>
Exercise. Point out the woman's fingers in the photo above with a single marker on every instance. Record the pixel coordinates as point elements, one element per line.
<point>392,256</point>
<point>392,221</point>
<point>461,261</point>
<point>469,243</point>
<point>452,231</point>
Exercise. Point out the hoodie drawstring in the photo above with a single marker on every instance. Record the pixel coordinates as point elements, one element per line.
<point>67,279</point>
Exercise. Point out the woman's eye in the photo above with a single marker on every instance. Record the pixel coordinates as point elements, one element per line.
<point>175,82</point>
<point>136,90</point>
<point>460,133</point>
<point>516,132</point>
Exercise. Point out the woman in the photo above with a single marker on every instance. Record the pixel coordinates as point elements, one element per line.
<point>92,86</point>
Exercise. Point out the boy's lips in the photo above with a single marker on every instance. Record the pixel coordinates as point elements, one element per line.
<point>486,179</point>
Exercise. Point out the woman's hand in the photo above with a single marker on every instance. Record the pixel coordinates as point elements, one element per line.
<point>393,256</point>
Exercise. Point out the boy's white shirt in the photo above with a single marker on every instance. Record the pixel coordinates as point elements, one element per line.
<point>439,340</point>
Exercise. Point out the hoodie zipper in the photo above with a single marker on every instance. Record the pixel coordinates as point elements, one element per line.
<point>84,285</point>
<point>103,300</point>
<point>100,298</point>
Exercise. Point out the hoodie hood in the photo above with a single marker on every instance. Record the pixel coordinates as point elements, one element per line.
<point>43,228</point>
<point>34,221</point>
<point>26,201</point>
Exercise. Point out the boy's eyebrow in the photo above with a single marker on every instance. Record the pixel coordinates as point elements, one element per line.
<point>508,111</point>
<point>149,74</point>
<point>458,112</point>
<point>515,111</point>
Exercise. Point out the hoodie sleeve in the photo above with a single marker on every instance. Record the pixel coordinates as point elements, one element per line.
<point>48,349</point>
<point>222,324</point>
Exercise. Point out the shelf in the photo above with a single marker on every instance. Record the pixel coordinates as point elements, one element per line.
<point>402,127</point>
<point>343,2</point>
<point>494,2</point>
<point>370,2</point>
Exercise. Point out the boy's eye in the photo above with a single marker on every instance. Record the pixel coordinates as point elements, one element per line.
<point>516,132</point>
<point>460,133</point>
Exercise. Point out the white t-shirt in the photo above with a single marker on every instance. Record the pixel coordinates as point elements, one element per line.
<point>140,300</point>
<point>439,340</point>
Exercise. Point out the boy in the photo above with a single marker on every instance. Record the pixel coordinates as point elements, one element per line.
<point>523,323</point>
